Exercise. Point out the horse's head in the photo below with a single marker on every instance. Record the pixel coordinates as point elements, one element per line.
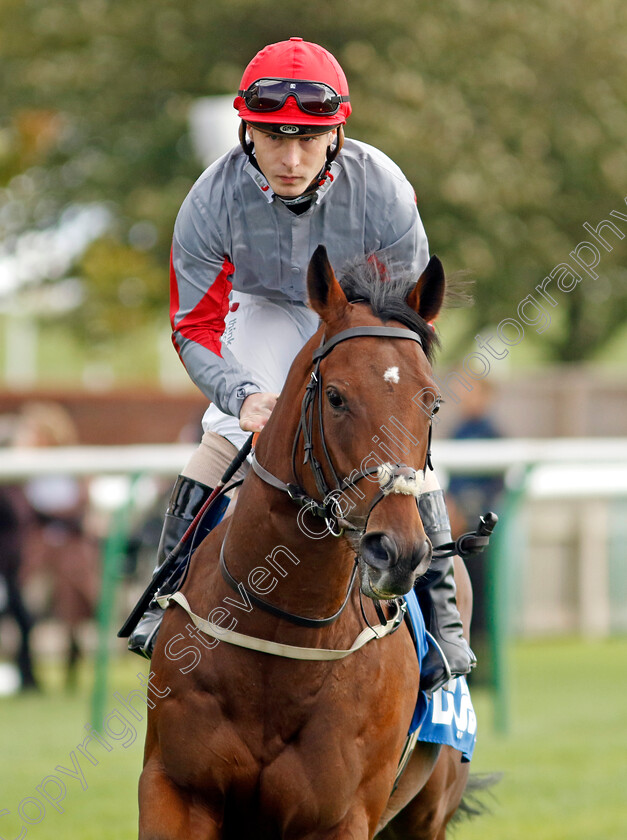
<point>371,399</point>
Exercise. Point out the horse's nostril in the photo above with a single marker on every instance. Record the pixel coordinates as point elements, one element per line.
<point>421,557</point>
<point>378,550</point>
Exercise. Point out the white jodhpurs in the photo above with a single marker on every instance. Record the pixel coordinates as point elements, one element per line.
<point>265,336</point>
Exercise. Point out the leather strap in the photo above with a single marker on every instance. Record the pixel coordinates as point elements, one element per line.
<point>301,620</point>
<point>267,476</point>
<point>359,332</point>
<point>277,648</point>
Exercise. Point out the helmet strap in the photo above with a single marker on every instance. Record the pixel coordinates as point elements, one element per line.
<point>246,144</point>
<point>333,151</point>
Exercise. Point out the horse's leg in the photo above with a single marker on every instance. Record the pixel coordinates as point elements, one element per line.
<point>414,778</point>
<point>168,813</point>
<point>72,659</point>
<point>17,608</point>
<point>427,815</point>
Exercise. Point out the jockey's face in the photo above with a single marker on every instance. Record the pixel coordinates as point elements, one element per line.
<point>290,163</point>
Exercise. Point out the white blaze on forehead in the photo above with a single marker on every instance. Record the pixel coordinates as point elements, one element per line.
<point>391,374</point>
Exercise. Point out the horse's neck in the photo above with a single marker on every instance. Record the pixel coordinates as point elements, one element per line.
<point>312,575</point>
<point>266,549</point>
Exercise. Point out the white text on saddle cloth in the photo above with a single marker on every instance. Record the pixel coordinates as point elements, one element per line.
<point>465,719</point>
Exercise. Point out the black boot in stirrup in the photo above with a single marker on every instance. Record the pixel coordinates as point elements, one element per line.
<point>187,498</point>
<point>436,593</point>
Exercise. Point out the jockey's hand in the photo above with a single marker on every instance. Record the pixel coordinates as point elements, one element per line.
<point>256,410</point>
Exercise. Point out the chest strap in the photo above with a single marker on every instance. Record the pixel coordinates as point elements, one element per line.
<point>277,648</point>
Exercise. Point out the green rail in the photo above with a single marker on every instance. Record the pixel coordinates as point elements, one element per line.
<point>504,560</point>
<point>113,552</point>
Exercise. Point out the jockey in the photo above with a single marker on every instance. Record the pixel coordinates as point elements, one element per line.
<point>242,242</point>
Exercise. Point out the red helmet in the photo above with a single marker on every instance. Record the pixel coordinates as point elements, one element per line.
<point>294,87</point>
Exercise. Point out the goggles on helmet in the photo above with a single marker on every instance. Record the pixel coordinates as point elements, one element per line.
<point>316,98</point>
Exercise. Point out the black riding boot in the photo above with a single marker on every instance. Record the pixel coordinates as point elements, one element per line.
<point>436,594</point>
<point>188,496</point>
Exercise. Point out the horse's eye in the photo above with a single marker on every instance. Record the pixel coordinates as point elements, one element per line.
<point>334,398</point>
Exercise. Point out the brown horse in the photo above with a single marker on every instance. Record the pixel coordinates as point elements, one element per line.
<point>247,743</point>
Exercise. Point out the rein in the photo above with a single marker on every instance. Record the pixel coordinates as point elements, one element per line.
<point>301,620</point>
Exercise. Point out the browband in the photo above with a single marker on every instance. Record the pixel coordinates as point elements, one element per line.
<point>356,332</point>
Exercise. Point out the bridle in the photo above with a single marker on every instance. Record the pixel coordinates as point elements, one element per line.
<point>311,411</point>
<point>329,508</point>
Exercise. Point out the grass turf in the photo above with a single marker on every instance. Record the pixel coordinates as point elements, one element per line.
<point>564,758</point>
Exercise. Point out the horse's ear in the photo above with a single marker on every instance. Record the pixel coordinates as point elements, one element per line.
<point>326,296</point>
<point>427,295</point>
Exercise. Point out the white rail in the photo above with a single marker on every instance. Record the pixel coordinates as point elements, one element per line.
<point>563,466</point>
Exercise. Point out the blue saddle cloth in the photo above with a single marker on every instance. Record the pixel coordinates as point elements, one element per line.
<point>449,717</point>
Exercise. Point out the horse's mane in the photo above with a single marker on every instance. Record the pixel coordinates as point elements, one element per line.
<point>384,285</point>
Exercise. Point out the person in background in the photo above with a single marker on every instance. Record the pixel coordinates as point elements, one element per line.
<point>473,495</point>
<point>470,496</point>
<point>14,520</point>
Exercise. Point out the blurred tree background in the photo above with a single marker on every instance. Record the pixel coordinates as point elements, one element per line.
<point>509,119</point>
